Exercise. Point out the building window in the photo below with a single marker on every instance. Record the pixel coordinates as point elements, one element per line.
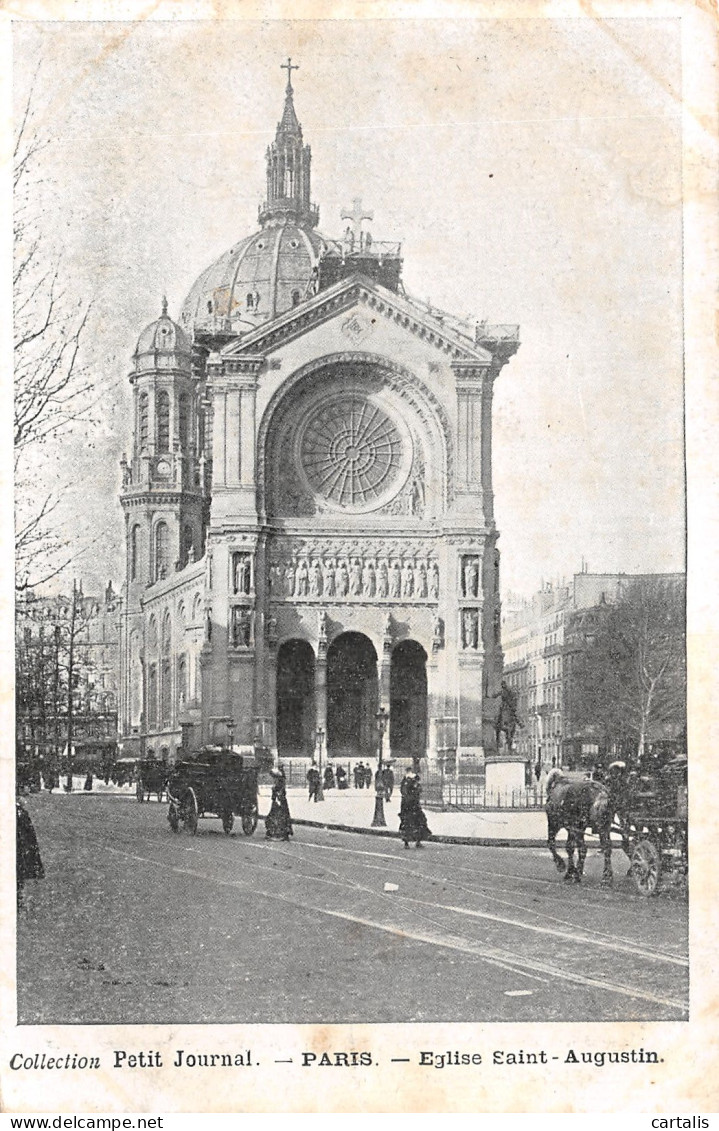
<point>134,550</point>
<point>144,421</point>
<point>184,421</point>
<point>163,422</point>
<point>162,551</point>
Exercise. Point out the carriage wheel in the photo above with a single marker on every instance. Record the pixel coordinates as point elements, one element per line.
<point>228,820</point>
<point>139,792</point>
<point>249,821</point>
<point>190,811</point>
<point>173,817</point>
<point>646,867</point>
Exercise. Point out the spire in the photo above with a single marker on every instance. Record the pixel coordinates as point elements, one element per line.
<point>164,306</point>
<point>288,168</point>
<point>289,124</point>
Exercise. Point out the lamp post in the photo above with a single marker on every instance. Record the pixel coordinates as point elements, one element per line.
<point>378,821</point>
<point>320,794</point>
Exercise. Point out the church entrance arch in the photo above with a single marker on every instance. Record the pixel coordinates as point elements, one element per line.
<point>295,699</point>
<point>352,697</point>
<point>408,700</point>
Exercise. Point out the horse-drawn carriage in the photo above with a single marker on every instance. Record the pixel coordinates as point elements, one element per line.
<point>653,824</point>
<point>213,782</point>
<point>150,777</point>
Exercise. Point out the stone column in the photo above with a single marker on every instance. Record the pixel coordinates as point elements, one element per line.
<point>321,683</point>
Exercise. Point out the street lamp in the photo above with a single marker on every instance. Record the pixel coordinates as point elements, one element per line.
<point>320,794</point>
<point>378,821</point>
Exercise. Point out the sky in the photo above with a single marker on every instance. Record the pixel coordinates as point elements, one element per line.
<point>531,168</point>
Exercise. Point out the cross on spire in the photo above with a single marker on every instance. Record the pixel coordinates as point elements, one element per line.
<point>356,216</point>
<point>289,66</point>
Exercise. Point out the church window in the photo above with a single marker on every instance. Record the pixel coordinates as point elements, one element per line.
<point>188,543</point>
<point>134,551</point>
<point>166,693</point>
<point>184,420</point>
<point>162,551</point>
<point>152,695</point>
<point>163,422</point>
<point>181,680</point>
<point>143,424</point>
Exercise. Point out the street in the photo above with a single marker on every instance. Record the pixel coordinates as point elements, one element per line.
<point>133,924</point>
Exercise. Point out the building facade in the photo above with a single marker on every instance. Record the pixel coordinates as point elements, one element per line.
<point>543,638</point>
<point>308,503</point>
<point>67,661</point>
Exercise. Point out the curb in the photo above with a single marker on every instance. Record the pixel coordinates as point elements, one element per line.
<point>479,841</point>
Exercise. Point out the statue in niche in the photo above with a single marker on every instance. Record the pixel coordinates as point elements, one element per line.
<point>323,625</point>
<point>315,580</point>
<point>356,578</point>
<point>190,553</point>
<point>290,579</point>
<point>272,630</point>
<point>395,581</point>
<point>471,577</point>
<point>437,633</point>
<point>388,627</point>
<point>343,580</point>
<point>328,578</point>
<point>420,580</point>
<point>434,580</point>
<point>382,579</point>
<point>497,626</point>
<point>209,570</point>
<point>407,579</point>
<point>303,580</point>
<point>416,497</point>
<point>208,626</point>
<point>242,573</point>
<point>368,580</point>
<point>470,629</point>
<point>241,628</point>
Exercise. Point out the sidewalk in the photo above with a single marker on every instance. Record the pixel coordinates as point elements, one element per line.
<point>352,810</point>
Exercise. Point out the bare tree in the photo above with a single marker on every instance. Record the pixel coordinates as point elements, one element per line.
<point>628,682</point>
<point>52,388</point>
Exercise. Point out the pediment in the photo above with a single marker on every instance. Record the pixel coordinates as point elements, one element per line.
<point>367,299</point>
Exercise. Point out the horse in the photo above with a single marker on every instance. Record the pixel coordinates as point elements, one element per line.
<point>576,806</point>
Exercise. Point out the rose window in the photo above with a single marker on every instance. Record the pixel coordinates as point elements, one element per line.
<point>352,452</point>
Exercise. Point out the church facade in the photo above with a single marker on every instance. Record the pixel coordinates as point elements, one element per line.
<point>308,502</point>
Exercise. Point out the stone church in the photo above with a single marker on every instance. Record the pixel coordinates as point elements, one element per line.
<point>308,501</point>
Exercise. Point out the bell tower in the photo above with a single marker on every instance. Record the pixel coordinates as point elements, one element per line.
<point>164,487</point>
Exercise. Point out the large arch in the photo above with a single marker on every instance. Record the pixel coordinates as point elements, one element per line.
<point>405,396</point>
<point>352,697</point>
<point>295,699</point>
<point>408,700</point>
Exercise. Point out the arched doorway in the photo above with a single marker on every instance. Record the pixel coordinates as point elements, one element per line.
<point>295,699</point>
<point>408,700</point>
<point>352,697</point>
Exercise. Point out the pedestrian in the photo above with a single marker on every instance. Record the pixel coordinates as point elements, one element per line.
<point>341,777</point>
<point>313,782</point>
<point>412,821</point>
<point>358,775</point>
<point>28,862</point>
<point>368,777</point>
<point>388,780</point>
<point>329,780</point>
<point>278,823</point>
<point>89,782</point>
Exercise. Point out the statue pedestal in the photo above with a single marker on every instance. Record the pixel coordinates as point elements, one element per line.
<point>504,772</point>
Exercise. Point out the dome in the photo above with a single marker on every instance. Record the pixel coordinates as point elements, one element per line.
<point>260,277</point>
<point>163,342</point>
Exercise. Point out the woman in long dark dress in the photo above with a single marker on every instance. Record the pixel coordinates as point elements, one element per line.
<point>28,860</point>
<point>278,823</point>
<point>412,821</point>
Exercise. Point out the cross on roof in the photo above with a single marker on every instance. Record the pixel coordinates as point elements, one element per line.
<point>289,66</point>
<point>356,216</point>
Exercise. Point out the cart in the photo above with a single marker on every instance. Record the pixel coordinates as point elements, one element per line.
<point>654,828</point>
<point>150,777</point>
<point>215,782</point>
